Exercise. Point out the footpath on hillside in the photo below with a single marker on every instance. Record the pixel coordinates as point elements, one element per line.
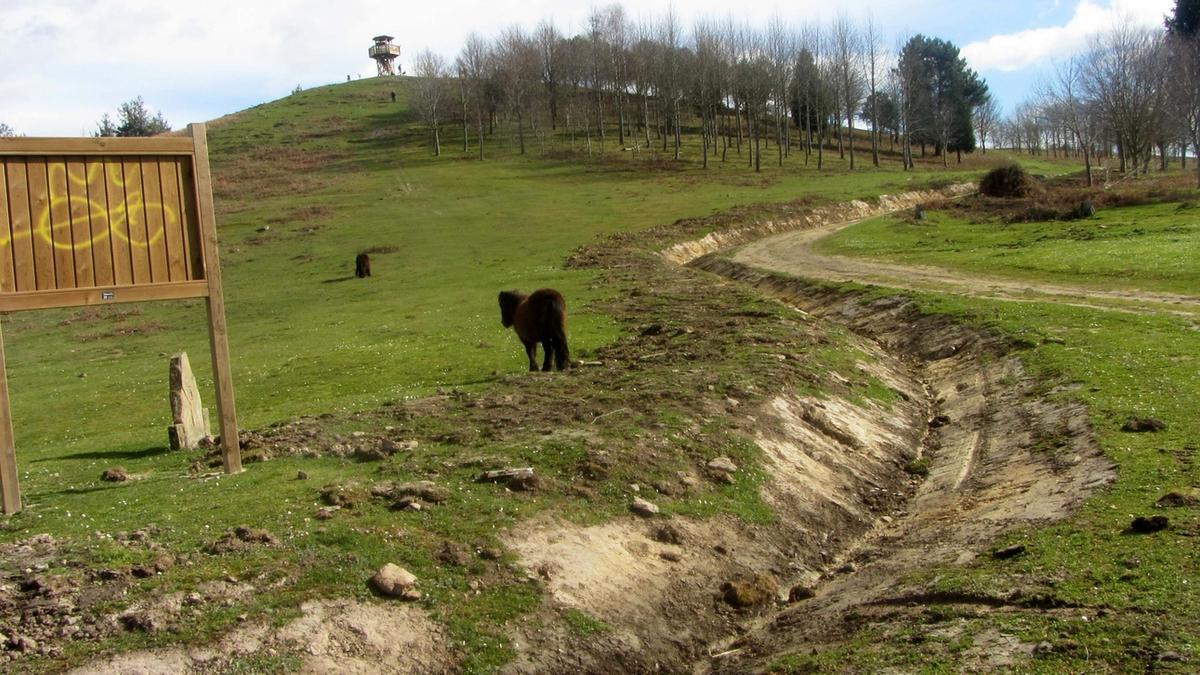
<point>794,253</point>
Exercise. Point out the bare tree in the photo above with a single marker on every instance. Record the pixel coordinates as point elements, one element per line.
<point>6,131</point>
<point>986,116</point>
<point>1124,78</point>
<point>549,42</point>
<point>472,66</point>
<point>847,56</point>
<point>873,62</point>
<point>429,92</point>
<point>670,80</point>
<point>1185,90</point>
<point>1064,93</point>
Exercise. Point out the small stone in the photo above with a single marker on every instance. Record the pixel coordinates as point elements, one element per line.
<point>886,519</point>
<point>939,421</point>
<point>1170,656</point>
<point>1144,525</point>
<point>670,556</point>
<point>652,329</point>
<point>722,465</point>
<point>23,643</point>
<point>242,618</point>
<point>116,474</point>
<point>301,475</point>
<point>801,592</point>
<point>358,434</point>
<point>411,594</point>
<point>393,581</point>
<point>491,553</point>
<point>1008,552</point>
<point>193,599</point>
<point>635,488</point>
<point>848,568</point>
<point>643,508</point>
<point>1043,648</point>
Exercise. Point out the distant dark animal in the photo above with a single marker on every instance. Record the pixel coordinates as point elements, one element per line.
<point>539,317</point>
<point>362,265</point>
<point>393,97</point>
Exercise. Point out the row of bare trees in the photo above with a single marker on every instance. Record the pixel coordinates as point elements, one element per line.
<point>717,88</point>
<point>1132,97</point>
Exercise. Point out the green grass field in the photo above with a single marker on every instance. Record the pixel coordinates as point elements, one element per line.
<point>305,183</point>
<point>1135,595</point>
<point>1154,247</point>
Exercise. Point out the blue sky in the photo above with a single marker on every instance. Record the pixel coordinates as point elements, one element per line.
<point>66,62</point>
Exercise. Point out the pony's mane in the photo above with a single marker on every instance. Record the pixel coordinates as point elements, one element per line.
<point>509,301</point>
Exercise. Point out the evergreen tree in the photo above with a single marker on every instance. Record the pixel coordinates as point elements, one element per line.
<point>1185,21</point>
<point>134,119</point>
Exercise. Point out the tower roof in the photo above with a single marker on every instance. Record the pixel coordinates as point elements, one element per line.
<point>383,38</point>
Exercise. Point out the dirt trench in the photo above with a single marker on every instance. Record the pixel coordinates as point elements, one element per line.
<point>865,493</point>
<point>999,452</point>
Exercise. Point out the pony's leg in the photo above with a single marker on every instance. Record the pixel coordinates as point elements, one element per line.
<point>531,352</point>
<point>548,352</point>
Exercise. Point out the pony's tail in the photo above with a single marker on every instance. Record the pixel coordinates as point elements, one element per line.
<point>558,332</point>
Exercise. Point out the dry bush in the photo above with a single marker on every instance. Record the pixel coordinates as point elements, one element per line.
<point>1006,181</point>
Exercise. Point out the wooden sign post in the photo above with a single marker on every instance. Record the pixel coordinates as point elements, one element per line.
<point>94,221</point>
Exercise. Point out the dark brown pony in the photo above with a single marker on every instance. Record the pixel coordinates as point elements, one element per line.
<point>362,265</point>
<point>540,317</point>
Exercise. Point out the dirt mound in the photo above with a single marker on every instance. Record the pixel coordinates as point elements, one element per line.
<point>332,636</point>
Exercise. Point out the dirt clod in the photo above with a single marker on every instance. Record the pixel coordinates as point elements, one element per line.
<point>241,538</point>
<point>1008,552</point>
<point>801,592</point>
<point>1144,525</point>
<point>116,474</point>
<point>424,490</point>
<point>453,554</point>
<point>750,591</point>
<point>1139,425</point>
<point>668,534</point>
<point>1176,500</point>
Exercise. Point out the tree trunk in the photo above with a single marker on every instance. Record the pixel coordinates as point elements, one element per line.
<point>479,118</point>
<point>850,134</point>
<point>437,142</point>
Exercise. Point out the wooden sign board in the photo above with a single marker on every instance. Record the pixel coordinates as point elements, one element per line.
<point>90,221</point>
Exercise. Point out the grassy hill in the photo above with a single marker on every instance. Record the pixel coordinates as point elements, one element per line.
<point>302,185</point>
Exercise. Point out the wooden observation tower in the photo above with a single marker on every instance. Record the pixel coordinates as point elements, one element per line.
<point>385,54</point>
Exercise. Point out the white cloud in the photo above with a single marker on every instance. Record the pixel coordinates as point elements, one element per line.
<point>1015,51</point>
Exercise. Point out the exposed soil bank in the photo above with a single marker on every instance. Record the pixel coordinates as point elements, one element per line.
<point>845,212</point>
<point>854,514</point>
<point>998,457</point>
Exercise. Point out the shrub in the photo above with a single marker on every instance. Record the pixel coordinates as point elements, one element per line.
<point>1006,181</point>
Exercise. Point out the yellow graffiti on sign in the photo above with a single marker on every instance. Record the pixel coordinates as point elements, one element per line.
<point>124,219</point>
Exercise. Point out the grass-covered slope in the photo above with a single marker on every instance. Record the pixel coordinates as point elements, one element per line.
<point>302,186</point>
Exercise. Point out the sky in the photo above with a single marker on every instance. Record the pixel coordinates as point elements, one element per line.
<point>67,62</point>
